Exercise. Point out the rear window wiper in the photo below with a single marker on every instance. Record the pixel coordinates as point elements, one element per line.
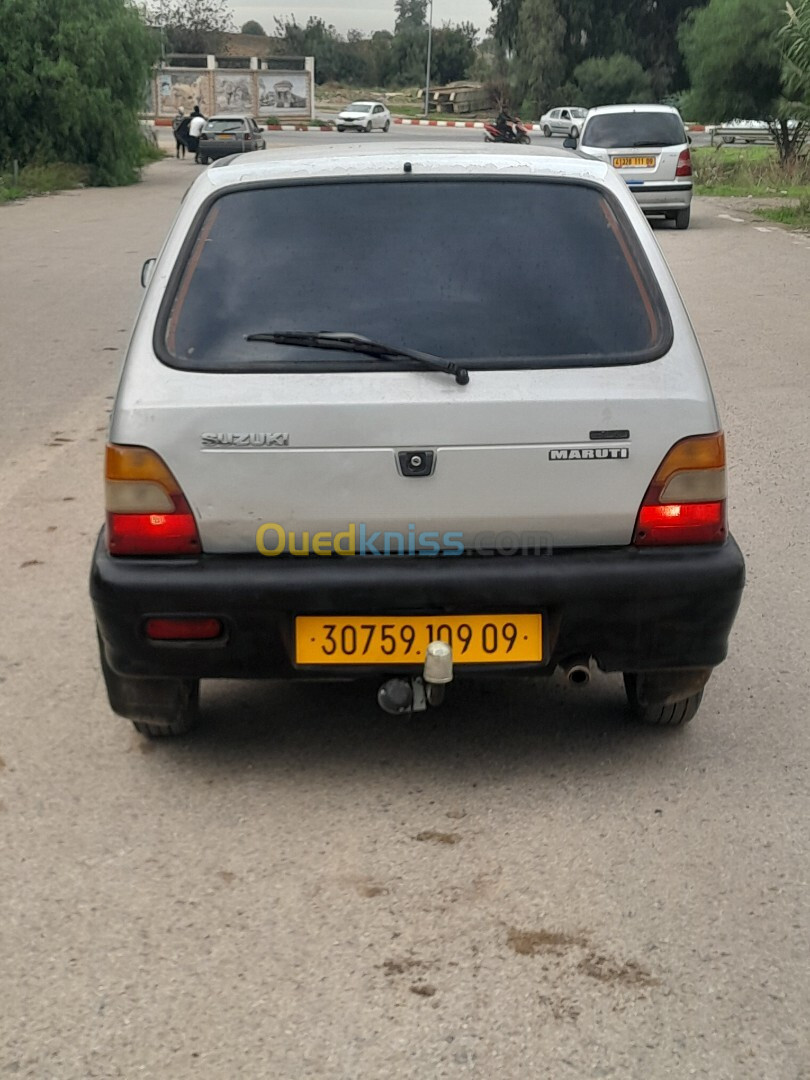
<point>356,343</point>
<point>651,144</point>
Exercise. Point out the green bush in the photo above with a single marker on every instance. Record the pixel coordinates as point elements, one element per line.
<point>611,80</point>
<point>72,80</point>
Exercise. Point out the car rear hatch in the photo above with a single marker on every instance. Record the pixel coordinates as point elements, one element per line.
<point>578,386</point>
<point>645,147</point>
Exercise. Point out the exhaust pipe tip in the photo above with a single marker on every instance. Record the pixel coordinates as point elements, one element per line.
<point>578,671</point>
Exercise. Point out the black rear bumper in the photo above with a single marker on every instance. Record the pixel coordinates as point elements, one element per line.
<point>630,609</point>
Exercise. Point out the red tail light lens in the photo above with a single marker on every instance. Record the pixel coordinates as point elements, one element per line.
<point>684,167</point>
<point>147,513</point>
<point>194,628</point>
<point>686,501</point>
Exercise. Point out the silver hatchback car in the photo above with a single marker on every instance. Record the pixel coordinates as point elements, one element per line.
<point>304,482</point>
<point>649,148</point>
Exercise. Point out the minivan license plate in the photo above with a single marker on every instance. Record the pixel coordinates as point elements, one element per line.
<point>634,163</point>
<point>393,639</point>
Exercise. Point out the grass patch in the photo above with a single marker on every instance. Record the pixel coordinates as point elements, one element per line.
<point>150,153</point>
<point>796,216</point>
<point>42,179</point>
<point>755,172</point>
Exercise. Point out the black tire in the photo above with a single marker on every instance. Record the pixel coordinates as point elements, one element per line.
<point>547,131</point>
<point>386,127</point>
<point>156,707</point>
<point>204,159</point>
<point>367,128</point>
<point>525,140</point>
<point>682,218</point>
<point>673,714</point>
<point>341,128</point>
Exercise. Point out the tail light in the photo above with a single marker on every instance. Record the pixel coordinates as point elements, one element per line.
<point>686,501</point>
<point>190,628</point>
<point>248,135</point>
<point>684,167</point>
<point>147,513</point>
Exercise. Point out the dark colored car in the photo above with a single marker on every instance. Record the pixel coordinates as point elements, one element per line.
<point>226,135</point>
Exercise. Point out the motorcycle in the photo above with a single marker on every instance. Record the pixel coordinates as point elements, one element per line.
<point>516,133</point>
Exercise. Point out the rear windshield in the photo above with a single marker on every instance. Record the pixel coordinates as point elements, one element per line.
<point>499,273</point>
<point>225,126</point>
<point>612,130</point>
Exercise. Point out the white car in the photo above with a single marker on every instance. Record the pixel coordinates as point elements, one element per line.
<point>563,121</point>
<point>648,147</point>
<point>304,481</point>
<point>364,116</point>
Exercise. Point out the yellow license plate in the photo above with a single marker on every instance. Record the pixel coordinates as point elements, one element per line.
<point>634,163</point>
<point>231,136</point>
<point>392,639</point>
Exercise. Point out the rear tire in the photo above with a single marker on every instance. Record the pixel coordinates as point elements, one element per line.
<point>386,127</point>
<point>156,707</point>
<point>547,131</point>
<point>682,218</point>
<point>341,128</point>
<point>204,159</point>
<point>673,714</point>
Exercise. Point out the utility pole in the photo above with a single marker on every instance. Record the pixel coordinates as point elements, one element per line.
<point>427,74</point>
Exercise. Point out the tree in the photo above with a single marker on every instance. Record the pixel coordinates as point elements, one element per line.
<point>191,26</point>
<point>795,37</point>
<point>733,53</point>
<point>610,81</point>
<point>453,53</point>
<point>539,62</point>
<point>645,30</point>
<point>72,80</point>
<point>411,14</point>
<point>253,27</point>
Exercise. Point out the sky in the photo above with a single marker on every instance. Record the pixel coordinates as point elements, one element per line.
<point>365,15</point>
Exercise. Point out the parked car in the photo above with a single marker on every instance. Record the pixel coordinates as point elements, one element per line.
<point>304,482</point>
<point>567,121</point>
<point>364,116</point>
<point>228,134</point>
<point>649,148</point>
<point>747,131</point>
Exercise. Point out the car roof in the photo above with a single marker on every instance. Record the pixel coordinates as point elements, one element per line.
<point>604,109</point>
<point>231,116</point>
<point>359,102</point>
<point>441,158</point>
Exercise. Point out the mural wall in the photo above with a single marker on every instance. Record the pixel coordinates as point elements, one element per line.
<point>185,88</point>
<point>283,92</point>
<point>286,94</point>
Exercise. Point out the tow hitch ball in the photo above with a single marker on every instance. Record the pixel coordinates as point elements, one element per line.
<point>415,694</point>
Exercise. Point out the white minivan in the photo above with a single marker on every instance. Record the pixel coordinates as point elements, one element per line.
<point>649,148</point>
<point>356,439</point>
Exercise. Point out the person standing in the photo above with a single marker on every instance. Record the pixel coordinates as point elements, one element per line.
<point>194,131</point>
<point>180,126</point>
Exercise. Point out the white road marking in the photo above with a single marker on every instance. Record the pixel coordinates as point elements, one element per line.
<point>728,217</point>
<point>761,228</point>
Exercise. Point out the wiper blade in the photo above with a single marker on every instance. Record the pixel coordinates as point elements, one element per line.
<point>652,144</point>
<point>356,343</point>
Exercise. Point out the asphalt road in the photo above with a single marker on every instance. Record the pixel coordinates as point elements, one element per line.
<point>521,885</point>
<point>398,133</point>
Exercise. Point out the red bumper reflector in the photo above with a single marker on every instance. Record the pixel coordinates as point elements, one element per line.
<point>189,629</point>
<point>681,523</point>
<point>152,534</point>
